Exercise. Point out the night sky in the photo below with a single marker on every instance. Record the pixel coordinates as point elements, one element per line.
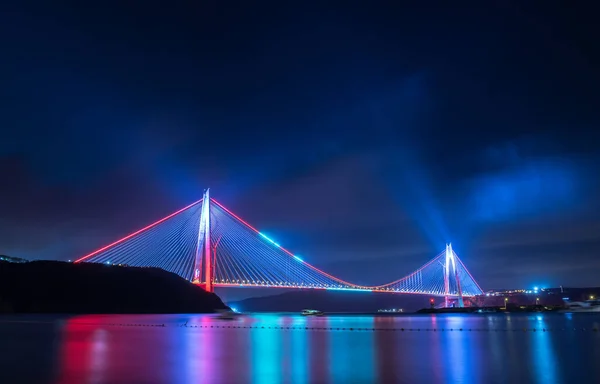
<point>361,137</point>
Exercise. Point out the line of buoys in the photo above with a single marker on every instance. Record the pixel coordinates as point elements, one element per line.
<point>127,325</point>
<point>352,329</point>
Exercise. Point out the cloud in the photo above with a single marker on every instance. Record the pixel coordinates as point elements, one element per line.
<point>58,221</point>
<point>528,178</point>
<point>533,188</point>
<point>335,210</point>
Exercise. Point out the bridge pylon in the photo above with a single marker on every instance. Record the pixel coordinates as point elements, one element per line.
<point>451,263</point>
<point>203,263</point>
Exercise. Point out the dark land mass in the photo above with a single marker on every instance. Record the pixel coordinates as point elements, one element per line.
<point>574,294</point>
<point>510,308</point>
<point>12,259</point>
<point>370,302</point>
<point>58,287</point>
<point>547,297</point>
<point>333,301</point>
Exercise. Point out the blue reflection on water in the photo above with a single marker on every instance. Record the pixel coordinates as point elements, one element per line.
<point>299,355</point>
<point>544,357</point>
<point>352,358</point>
<point>495,352</point>
<point>266,355</point>
<point>437,358</point>
<point>455,356</point>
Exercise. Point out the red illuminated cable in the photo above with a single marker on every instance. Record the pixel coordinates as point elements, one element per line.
<point>406,277</point>
<point>313,267</point>
<point>285,250</point>
<point>469,273</point>
<point>137,232</point>
<point>375,287</point>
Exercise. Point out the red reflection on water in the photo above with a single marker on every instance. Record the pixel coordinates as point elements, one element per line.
<point>203,354</point>
<point>319,354</point>
<point>75,352</point>
<point>93,352</point>
<point>216,352</point>
<point>385,351</point>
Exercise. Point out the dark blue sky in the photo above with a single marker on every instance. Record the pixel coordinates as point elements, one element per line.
<point>361,135</point>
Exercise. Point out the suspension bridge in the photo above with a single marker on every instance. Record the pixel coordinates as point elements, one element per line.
<point>209,245</point>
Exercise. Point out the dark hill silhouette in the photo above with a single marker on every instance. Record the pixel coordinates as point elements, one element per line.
<point>333,301</point>
<point>58,287</point>
<point>12,259</point>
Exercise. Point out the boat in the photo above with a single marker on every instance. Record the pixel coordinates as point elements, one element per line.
<point>583,306</point>
<point>311,312</point>
<point>228,315</point>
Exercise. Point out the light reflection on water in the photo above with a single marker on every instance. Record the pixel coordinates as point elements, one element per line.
<point>266,351</point>
<point>299,349</point>
<point>132,349</point>
<point>351,358</point>
<point>545,360</point>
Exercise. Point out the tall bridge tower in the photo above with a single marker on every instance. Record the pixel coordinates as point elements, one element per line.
<point>203,266</point>
<point>449,264</point>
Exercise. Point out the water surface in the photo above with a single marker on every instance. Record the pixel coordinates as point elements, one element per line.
<point>286,348</point>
